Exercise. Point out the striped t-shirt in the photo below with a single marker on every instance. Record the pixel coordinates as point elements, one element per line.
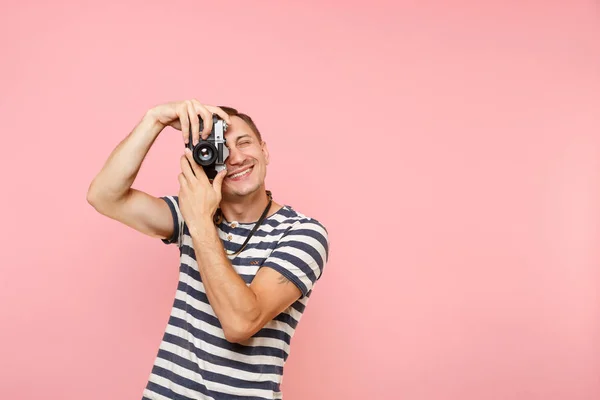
<point>194,360</point>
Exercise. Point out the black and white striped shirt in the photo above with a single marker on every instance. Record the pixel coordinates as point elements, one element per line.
<point>194,360</point>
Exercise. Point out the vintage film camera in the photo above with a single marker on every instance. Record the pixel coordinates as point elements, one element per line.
<point>212,152</point>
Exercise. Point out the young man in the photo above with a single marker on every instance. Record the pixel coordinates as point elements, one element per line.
<point>234,312</point>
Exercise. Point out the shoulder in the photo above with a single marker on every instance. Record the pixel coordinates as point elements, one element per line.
<point>295,223</point>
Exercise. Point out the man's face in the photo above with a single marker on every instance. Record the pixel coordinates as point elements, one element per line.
<point>247,161</point>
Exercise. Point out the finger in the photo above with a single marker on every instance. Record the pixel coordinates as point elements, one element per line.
<point>182,113</point>
<point>219,111</point>
<point>207,118</point>
<point>197,169</point>
<point>192,163</point>
<point>218,181</point>
<point>194,121</point>
<point>182,181</point>
<point>186,169</point>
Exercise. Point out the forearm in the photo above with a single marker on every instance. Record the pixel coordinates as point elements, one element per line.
<point>122,166</point>
<point>234,303</point>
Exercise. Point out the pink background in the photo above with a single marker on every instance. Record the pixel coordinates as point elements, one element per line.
<point>451,148</point>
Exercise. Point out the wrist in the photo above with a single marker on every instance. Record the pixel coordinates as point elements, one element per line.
<point>151,121</point>
<point>200,227</point>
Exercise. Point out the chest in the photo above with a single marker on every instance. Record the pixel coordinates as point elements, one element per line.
<point>257,248</point>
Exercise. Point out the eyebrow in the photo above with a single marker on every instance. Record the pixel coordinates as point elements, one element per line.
<point>241,137</point>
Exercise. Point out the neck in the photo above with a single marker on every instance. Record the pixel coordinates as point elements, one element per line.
<point>245,209</point>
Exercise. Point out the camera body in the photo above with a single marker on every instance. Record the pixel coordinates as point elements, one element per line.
<point>211,153</point>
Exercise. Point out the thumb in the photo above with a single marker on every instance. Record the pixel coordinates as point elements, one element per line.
<point>218,181</point>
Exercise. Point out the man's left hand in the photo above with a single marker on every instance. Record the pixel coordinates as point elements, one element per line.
<point>198,198</point>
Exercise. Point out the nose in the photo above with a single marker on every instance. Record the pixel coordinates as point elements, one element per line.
<point>235,157</point>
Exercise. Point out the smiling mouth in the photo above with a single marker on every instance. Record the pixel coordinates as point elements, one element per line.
<point>240,174</point>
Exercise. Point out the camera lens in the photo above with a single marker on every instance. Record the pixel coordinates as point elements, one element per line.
<point>205,153</point>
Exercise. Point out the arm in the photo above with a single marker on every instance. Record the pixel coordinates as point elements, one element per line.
<point>299,256</point>
<point>242,310</point>
<point>110,192</point>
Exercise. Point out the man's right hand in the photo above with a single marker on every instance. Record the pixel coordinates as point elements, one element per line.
<point>183,114</point>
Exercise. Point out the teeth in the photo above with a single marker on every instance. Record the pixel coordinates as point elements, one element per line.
<point>241,173</point>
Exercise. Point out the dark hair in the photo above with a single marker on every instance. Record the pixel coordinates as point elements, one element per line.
<point>232,112</point>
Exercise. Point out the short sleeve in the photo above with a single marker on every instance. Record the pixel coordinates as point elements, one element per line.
<point>173,203</point>
<point>301,254</point>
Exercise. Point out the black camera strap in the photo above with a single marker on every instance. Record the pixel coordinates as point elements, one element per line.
<point>256,226</point>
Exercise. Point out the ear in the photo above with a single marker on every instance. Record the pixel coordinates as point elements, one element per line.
<point>265,151</point>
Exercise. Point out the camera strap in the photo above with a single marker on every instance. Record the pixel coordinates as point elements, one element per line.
<point>256,226</point>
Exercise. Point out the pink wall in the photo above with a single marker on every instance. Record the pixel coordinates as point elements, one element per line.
<point>452,149</point>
